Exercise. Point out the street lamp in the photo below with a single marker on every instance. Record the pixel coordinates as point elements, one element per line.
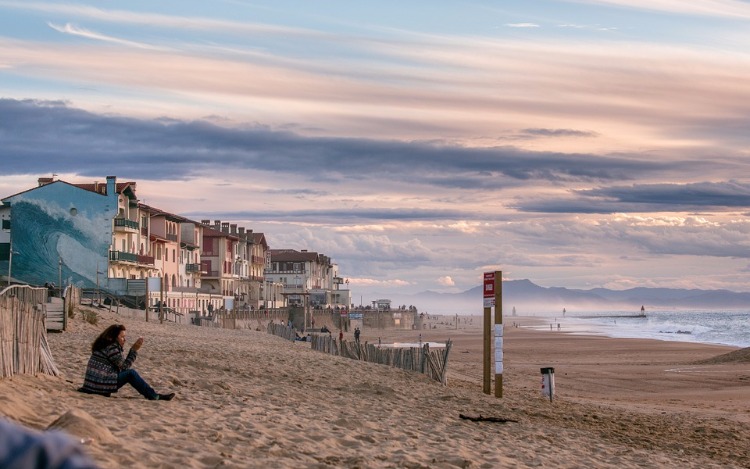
<point>10,261</point>
<point>98,291</point>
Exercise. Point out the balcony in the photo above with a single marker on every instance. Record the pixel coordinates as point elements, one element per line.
<point>171,237</point>
<point>123,224</point>
<point>192,267</point>
<point>147,260</point>
<point>120,256</point>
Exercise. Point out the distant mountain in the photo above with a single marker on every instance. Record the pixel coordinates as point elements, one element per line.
<point>529,298</point>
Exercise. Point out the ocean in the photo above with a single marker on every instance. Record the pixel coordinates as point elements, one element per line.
<point>706,327</point>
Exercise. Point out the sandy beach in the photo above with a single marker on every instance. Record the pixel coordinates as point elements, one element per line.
<point>249,399</point>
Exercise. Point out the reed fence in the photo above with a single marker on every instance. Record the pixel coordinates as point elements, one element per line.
<point>431,362</point>
<point>23,334</point>
<point>282,330</point>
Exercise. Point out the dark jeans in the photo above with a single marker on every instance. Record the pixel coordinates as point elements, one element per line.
<point>134,379</point>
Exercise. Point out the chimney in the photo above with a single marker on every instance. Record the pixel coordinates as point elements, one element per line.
<point>45,181</point>
<point>241,230</point>
<point>225,227</point>
<point>217,225</point>
<point>205,222</point>
<point>111,185</point>
<point>233,226</point>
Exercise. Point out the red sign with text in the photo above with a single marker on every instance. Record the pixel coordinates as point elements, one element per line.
<point>489,284</point>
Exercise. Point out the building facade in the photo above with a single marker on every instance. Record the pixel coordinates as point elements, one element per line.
<point>98,235</point>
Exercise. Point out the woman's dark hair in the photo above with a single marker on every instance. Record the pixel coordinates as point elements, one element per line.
<point>108,337</point>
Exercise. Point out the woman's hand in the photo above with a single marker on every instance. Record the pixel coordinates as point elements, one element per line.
<point>137,344</point>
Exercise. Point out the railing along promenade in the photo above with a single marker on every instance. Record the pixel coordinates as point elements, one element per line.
<point>23,334</point>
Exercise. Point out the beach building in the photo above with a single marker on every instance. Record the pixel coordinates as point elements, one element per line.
<point>61,230</point>
<point>233,262</point>
<point>307,277</point>
<point>98,236</point>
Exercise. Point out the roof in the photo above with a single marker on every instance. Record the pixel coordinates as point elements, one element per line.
<point>127,188</point>
<point>260,238</point>
<point>290,255</point>
<point>49,181</point>
<point>214,233</point>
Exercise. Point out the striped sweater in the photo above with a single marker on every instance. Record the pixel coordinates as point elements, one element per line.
<point>103,368</point>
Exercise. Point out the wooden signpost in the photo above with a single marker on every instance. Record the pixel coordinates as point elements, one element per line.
<point>493,296</point>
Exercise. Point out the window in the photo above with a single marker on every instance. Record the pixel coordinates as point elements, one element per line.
<point>6,224</point>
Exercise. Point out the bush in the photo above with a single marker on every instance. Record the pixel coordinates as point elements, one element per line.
<point>90,317</point>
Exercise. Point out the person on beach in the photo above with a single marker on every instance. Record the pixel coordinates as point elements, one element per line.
<point>107,370</point>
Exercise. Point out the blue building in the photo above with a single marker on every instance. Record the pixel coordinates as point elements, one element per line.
<point>59,231</point>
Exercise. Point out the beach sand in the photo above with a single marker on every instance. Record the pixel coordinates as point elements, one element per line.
<point>249,399</point>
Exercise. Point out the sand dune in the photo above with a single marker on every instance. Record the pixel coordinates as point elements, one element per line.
<point>248,399</point>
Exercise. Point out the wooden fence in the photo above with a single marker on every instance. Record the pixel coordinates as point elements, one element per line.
<point>23,334</point>
<point>282,330</point>
<point>433,363</point>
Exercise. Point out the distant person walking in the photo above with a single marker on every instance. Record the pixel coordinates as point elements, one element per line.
<point>356,334</point>
<point>107,370</point>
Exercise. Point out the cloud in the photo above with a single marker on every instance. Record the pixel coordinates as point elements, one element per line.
<point>726,8</point>
<point>85,33</point>
<point>158,21</point>
<point>559,133</point>
<point>43,136</point>
<point>728,195</point>
<point>522,25</point>
<point>446,281</point>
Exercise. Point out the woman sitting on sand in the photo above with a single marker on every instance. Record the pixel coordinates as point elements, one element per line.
<point>107,371</point>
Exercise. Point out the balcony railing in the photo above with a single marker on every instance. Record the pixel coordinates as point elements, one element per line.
<point>172,237</point>
<point>125,223</point>
<point>120,256</point>
<point>192,267</point>
<point>212,273</point>
<point>148,260</point>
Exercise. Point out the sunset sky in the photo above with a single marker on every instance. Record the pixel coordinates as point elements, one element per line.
<point>579,144</point>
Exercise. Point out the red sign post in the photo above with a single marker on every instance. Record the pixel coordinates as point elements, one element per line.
<point>492,296</point>
<point>489,289</point>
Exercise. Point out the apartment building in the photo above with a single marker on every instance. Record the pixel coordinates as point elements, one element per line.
<point>307,277</point>
<point>98,235</point>
<point>233,261</point>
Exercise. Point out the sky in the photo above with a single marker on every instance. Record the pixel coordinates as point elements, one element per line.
<point>578,144</point>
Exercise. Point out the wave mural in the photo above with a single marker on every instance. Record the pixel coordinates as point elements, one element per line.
<point>47,236</point>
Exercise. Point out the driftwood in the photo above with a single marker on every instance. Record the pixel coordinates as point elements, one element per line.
<point>481,418</point>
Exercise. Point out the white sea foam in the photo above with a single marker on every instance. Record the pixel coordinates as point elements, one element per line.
<point>714,327</point>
